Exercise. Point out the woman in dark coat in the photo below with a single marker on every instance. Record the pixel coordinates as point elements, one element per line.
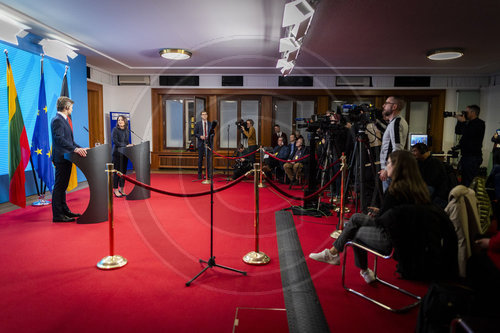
<point>120,137</point>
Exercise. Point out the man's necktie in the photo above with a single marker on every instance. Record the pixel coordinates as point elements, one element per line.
<point>205,129</point>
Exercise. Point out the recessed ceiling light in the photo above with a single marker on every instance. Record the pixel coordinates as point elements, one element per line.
<point>175,54</point>
<point>445,54</point>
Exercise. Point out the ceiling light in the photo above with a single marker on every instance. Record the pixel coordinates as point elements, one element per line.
<point>283,63</point>
<point>10,29</point>
<point>286,71</point>
<point>175,54</point>
<point>445,54</point>
<point>56,49</point>
<point>296,12</point>
<point>289,44</point>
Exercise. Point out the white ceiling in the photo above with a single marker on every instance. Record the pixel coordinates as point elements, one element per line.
<point>242,36</point>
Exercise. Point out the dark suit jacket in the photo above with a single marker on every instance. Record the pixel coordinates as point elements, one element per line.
<point>198,131</point>
<point>62,138</point>
<point>274,139</point>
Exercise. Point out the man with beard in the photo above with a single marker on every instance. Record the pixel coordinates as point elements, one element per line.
<point>395,135</point>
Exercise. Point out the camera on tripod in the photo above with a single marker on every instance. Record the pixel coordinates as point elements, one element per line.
<point>240,123</point>
<point>316,122</point>
<point>362,114</point>
<point>447,114</point>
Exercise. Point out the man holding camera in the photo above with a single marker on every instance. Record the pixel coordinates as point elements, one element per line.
<point>395,134</point>
<point>471,143</point>
<point>249,132</point>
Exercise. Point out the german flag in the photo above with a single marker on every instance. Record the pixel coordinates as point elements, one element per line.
<point>19,148</point>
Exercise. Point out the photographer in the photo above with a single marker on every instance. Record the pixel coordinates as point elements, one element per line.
<point>496,147</point>
<point>472,130</point>
<point>251,137</point>
<point>395,135</point>
<point>242,165</point>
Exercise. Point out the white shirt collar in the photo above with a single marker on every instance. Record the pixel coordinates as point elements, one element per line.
<point>65,116</point>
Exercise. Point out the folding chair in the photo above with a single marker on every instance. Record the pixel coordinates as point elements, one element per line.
<point>377,255</point>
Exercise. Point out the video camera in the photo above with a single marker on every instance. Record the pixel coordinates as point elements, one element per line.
<point>240,123</point>
<point>447,114</point>
<point>362,114</point>
<point>316,122</point>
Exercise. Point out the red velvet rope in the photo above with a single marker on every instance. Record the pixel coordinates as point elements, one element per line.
<point>189,195</point>
<point>234,158</point>
<point>273,185</point>
<point>329,166</point>
<point>286,161</point>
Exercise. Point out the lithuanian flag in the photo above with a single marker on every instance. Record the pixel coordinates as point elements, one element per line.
<point>19,148</point>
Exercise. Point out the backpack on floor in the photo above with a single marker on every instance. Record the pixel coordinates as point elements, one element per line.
<point>442,303</point>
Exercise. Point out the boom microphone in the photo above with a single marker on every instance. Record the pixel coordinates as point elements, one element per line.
<point>135,134</point>
<point>213,126</point>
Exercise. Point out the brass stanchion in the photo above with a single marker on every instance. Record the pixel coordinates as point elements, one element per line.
<point>112,261</point>
<point>261,154</point>
<point>256,257</point>
<point>206,180</point>
<point>337,232</point>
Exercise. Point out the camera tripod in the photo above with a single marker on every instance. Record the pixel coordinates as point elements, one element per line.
<point>358,164</point>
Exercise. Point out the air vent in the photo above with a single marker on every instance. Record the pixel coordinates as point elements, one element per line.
<point>176,80</point>
<point>353,81</point>
<point>412,81</point>
<point>232,81</point>
<point>133,80</point>
<point>295,81</point>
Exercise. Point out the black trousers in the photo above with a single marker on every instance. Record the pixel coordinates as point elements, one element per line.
<point>120,162</point>
<point>201,153</point>
<point>63,172</point>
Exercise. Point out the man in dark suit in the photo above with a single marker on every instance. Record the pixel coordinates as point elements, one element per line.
<point>63,142</point>
<point>202,132</point>
<point>278,134</point>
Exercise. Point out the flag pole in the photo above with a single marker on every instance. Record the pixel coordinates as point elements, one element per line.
<point>41,196</point>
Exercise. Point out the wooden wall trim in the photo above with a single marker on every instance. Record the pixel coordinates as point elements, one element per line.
<point>266,96</point>
<point>95,113</point>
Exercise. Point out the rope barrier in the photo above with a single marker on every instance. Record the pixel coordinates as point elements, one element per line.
<point>329,166</point>
<point>273,185</point>
<point>189,195</point>
<point>287,161</point>
<point>233,158</point>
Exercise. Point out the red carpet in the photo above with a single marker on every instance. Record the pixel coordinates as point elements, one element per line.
<point>50,283</point>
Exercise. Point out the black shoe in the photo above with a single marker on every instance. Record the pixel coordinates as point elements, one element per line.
<point>63,219</point>
<point>71,214</point>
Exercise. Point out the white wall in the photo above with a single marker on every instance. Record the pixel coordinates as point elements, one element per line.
<point>490,105</point>
<point>450,122</point>
<point>133,99</point>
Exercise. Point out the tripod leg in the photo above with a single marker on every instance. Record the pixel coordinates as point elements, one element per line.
<point>197,275</point>
<point>230,269</point>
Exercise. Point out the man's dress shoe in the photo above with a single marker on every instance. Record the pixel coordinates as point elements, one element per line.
<point>63,219</point>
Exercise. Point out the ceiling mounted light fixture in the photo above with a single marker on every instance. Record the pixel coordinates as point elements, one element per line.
<point>175,54</point>
<point>445,54</point>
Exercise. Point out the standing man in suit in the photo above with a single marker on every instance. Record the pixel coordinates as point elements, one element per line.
<point>291,146</point>
<point>202,132</point>
<point>276,135</point>
<point>63,142</point>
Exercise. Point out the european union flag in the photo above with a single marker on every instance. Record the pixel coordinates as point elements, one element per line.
<point>40,144</point>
